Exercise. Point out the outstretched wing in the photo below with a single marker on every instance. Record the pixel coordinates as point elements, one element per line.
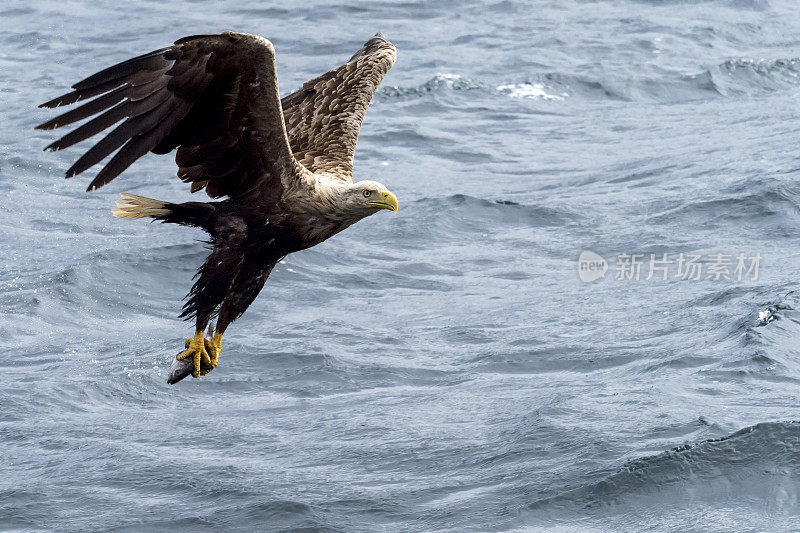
<point>214,97</point>
<point>324,117</point>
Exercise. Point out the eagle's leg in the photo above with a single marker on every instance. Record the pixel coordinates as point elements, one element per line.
<point>248,282</point>
<point>197,351</point>
<point>207,294</point>
<point>214,349</point>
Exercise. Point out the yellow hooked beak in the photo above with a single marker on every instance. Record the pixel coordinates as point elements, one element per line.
<point>387,201</point>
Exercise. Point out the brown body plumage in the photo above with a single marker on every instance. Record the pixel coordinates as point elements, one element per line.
<point>284,167</point>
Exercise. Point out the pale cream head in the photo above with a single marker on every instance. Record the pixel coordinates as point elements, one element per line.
<point>365,198</point>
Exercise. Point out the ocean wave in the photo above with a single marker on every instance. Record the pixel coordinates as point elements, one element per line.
<point>452,217</point>
<point>751,468</point>
<point>745,77</point>
<point>736,204</point>
<point>732,78</point>
<point>444,83</point>
<point>441,82</point>
<point>529,90</point>
<point>735,77</point>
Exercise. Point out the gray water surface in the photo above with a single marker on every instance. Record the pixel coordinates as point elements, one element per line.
<point>444,369</point>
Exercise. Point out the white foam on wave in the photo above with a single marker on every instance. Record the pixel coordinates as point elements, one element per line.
<point>529,90</point>
<point>448,77</point>
<point>766,316</point>
<point>452,81</point>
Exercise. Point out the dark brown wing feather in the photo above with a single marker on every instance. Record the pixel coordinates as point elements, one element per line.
<point>324,117</point>
<point>214,97</point>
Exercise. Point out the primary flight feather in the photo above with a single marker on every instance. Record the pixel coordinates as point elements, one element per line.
<point>283,166</point>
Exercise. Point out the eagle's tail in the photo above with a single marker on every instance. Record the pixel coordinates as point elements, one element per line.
<point>200,214</point>
<point>133,206</point>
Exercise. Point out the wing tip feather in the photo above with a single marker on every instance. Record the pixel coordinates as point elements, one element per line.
<point>58,101</point>
<point>49,125</point>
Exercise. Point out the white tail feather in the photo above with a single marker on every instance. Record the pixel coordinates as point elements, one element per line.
<point>133,206</point>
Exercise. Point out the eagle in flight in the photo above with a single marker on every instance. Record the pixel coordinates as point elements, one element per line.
<point>282,169</point>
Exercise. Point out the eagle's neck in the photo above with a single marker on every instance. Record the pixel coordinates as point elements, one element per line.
<point>321,211</point>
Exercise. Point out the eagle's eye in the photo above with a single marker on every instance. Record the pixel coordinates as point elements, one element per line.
<point>367,194</point>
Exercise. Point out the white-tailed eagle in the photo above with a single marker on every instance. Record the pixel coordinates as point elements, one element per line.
<point>282,168</point>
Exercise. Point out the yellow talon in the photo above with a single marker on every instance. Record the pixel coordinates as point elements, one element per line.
<point>214,348</point>
<point>196,349</point>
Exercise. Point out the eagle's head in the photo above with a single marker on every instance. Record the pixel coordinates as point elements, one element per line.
<point>365,198</point>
